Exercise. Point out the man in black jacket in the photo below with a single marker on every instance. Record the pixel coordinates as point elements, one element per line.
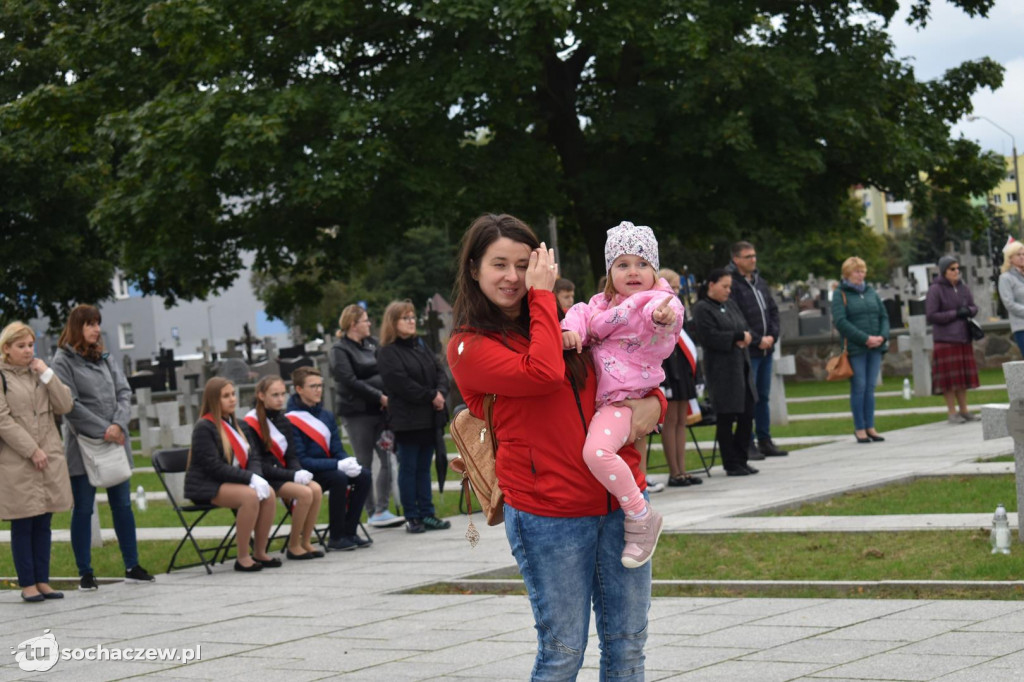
<point>762,314</point>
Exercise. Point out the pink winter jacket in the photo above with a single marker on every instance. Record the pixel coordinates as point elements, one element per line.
<point>627,346</point>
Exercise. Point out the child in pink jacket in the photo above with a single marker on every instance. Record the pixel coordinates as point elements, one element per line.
<point>630,328</point>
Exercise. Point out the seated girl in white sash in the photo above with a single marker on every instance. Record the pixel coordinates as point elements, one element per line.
<point>270,438</point>
<point>217,474</point>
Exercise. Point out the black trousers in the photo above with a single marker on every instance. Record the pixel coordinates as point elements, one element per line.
<point>734,446</point>
<point>345,505</point>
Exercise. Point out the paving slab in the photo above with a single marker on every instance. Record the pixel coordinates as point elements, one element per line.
<point>349,616</point>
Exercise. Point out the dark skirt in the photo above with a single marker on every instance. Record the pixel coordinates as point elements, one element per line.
<point>679,382</point>
<point>953,367</point>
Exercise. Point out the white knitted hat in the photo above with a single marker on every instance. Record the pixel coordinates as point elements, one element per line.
<point>635,240</point>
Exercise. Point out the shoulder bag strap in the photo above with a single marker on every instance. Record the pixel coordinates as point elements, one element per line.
<point>844,305</point>
<point>489,420</point>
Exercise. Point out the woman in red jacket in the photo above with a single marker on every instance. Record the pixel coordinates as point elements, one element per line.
<point>564,528</point>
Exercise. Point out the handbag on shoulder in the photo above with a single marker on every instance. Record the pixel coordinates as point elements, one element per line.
<point>474,438</point>
<point>838,366</point>
<point>106,463</point>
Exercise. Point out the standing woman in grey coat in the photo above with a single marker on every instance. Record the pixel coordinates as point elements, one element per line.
<point>1011,288</point>
<point>722,332</point>
<point>102,407</point>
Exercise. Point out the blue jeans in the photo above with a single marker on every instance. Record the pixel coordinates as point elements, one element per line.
<point>119,498</point>
<point>862,388</point>
<point>345,506</point>
<point>415,453</point>
<point>1019,338</point>
<point>30,549</point>
<point>568,564</point>
<point>762,368</point>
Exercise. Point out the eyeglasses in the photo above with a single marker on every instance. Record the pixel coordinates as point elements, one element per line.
<point>407,318</point>
<point>748,256</point>
<point>954,268</point>
<point>315,387</point>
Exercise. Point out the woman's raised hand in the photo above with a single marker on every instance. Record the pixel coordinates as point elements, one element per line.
<point>542,271</point>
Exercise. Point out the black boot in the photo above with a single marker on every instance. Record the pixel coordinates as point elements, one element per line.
<point>754,453</point>
<point>768,449</point>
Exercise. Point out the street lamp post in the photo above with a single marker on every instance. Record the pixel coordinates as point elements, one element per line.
<point>1016,173</point>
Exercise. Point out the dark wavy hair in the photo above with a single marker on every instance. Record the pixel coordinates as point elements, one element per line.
<point>472,311</point>
<point>72,334</point>
<point>713,276</point>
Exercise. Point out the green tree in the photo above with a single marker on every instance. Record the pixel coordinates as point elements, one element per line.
<point>421,265</point>
<point>316,133</point>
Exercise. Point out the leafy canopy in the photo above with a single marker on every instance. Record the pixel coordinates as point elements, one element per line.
<point>166,137</point>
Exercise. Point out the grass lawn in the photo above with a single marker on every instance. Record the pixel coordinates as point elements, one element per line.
<point>975,398</point>
<point>844,426</point>
<point>925,555</point>
<point>939,495</point>
<point>909,556</point>
<point>808,389</point>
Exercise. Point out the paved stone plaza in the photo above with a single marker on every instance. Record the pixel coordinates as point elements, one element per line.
<point>344,617</point>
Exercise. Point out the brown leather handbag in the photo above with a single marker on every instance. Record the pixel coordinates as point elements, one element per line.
<point>478,449</point>
<point>838,366</point>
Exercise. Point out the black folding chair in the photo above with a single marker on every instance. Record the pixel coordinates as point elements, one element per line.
<point>321,532</point>
<point>707,419</point>
<point>165,463</point>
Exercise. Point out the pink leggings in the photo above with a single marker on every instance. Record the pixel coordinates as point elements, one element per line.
<point>609,431</point>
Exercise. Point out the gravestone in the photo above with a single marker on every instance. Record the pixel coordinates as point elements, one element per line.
<point>789,320</point>
<point>999,421</point>
<point>207,350</point>
<point>271,348</point>
<point>976,273</point>
<point>782,366</point>
<point>918,342</point>
<point>233,351</point>
<point>234,369</point>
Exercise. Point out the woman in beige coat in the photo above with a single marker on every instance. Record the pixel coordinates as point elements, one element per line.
<point>34,479</point>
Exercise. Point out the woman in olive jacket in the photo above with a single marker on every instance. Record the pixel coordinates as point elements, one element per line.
<point>33,473</point>
<point>722,332</point>
<point>416,385</point>
<point>861,320</point>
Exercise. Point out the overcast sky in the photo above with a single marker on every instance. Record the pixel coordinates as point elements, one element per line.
<point>951,38</point>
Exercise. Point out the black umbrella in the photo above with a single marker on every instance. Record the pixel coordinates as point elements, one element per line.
<point>441,450</point>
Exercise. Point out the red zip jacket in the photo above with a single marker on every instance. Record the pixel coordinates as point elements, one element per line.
<point>536,418</point>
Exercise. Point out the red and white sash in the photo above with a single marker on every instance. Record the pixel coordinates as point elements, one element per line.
<point>239,445</point>
<point>278,443</point>
<point>312,427</point>
<point>689,349</point>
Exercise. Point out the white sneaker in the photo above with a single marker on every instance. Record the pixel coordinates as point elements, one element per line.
<point>385,519</point>
<point>654,486</point>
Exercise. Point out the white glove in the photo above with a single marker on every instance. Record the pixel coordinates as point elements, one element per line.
<point>260,485</point>
<point>350,467</point>
<point>303,477</point>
